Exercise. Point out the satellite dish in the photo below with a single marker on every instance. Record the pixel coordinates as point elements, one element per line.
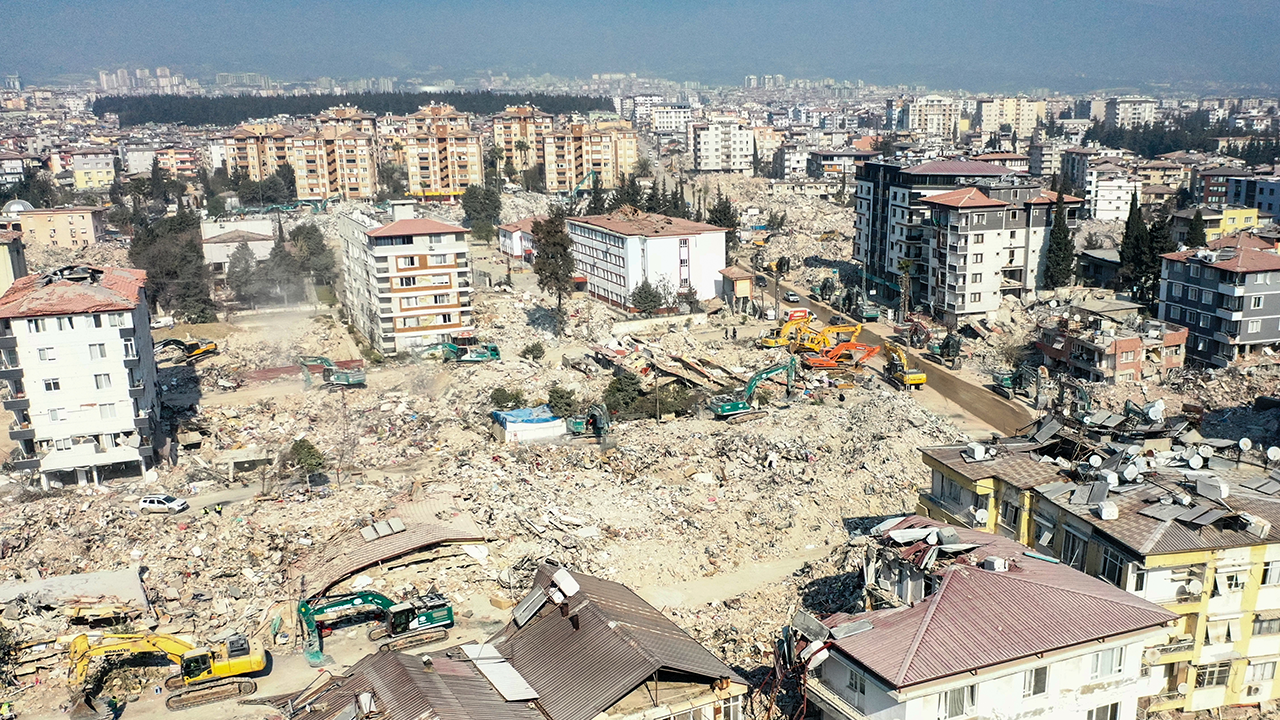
<point>980,515</point>
<point>1183,688</point>
<point>1246,444</point>
<point>1206,452</point>
<point>1273,453</point>
<point>1095,461</point>
<point>1196,462</point>
<point>1133,450</point>
<point>1130,472</point>
<point>1195,587</point>
<point>1152,656</point>
<point>1188,452</point>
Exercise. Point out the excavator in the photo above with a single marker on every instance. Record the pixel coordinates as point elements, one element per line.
<point>418,621</point>
<point>919,335</point>
<point>947,352</point>
<point>815,341</point>
<point>484,352</point>
<point>832,356</point>
<point>736,407</point>
<point>1008,383</point>
<point>192,350</point>
<point>899,372</point>
<point>595,421</point>
<point>207,673</point>
<point>780,337</point>
<point>331,376</point>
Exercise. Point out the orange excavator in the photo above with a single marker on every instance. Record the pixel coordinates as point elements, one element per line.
<point>845,353</point>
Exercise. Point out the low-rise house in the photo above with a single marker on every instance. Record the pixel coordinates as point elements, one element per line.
<point>967,629</point>
<point>219,248</point>
<point>515,239</point>
<point>1108,341</point>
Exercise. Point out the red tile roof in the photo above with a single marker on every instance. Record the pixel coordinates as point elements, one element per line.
<point>646,224</point>
<point>522,225</point>
<point>979,618</point>
<point>414,226</point>
<point>42,295</point>
<point>959,167</point>
<point>1047,197</point>
<point>1246,260</point>
<point>1241,239</point>
<point>1000,156</point>
<point>964,198</point>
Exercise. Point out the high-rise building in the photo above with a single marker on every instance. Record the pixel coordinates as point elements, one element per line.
<point>1130,111</point>
<point>751,81</point>
<point>333,161</point>
<point>122,79</point>
<point>722,147</point>
<point>13,81</point>
<point>442,156</point>
<point>933,116</point>
<point>255,150</point>
<point>609,150</point>
<point>519,131</point>
<point>1021,114</point>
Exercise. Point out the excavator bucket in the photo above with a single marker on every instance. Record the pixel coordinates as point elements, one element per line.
<point>84,708</point>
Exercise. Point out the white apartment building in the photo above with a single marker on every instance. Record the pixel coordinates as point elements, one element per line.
<point>618,251</point>
<point>670,119</point>
<point>1130,111</point>
<point>933,116</point>
<point>407,282</point>
<point>12,168</point>
<point>1108,189</point>
<point>722,147</point>
<point>1045,156</point>
<point>942,649</point>
<point>1019,113</point>
<point>79,374</point>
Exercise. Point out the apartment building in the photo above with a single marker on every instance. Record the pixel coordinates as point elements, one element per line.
<point>670,118</point>
<point>407,282</point>
<point>1109,189</point>
<point>64,227</point>
<point>1211,186</point>
<point>571,157</point>
<point>1130,112</point>
<point>980,243</point>
<point>94,168</point>
<point>1016,162</point>
<point>618,251</point>
<point>933,645</point>
<point>1044,157</point>
<point>932,116</point>
<point>891,224</point>
<point>438,115</point>
<point>519,131</point>
<point>1163,172</point>
<point>1219,221</point>
<point>1109,341</point>
<point>722,147</point>
<point>254,150</point>
<point>1228,296</point>
<point>442,163</point>
<point>1076,161</point>
<point>75,355</point>
<point>1021,114</point>
<point>333,161</point>
<point>345,118</point>
<point>12,168</point>
<point>13,257</point>
<point>1180,527</point>
<point>1255,192</point>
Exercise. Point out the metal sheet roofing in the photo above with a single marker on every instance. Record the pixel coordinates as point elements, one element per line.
<point>979,618</point>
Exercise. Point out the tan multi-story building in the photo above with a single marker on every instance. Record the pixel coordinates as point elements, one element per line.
<point>255,151</point>
<point>94,168</point>
<point>178,161</point>
<point>349,117</point>
<point>64,226</point>
<point>1021,114</point>
<point>441,164</point>
<point>333,161</point>
<point>521,124</point>
<point>933,116</point>
<point>610,150</point>
<point>435,116</point>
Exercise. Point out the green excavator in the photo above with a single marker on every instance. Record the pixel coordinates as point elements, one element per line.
<point>736,407</point>
<point>418,621</point>
<point>331,376</point>
<point>484,352</point>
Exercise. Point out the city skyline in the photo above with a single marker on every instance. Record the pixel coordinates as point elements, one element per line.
<point>992,46</point>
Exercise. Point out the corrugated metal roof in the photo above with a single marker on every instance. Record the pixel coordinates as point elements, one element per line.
<point>620,641</point>
<point>979,618</point>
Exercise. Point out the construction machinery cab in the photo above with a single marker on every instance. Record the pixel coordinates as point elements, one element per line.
<point>899,372</point>
<point>196,664</point>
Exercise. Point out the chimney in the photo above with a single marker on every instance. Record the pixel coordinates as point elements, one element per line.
<point>403,210</point>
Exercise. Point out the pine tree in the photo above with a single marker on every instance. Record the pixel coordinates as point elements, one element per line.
<point>553,263</point>
<point>1135,251</point>
<point>1195,233</point>
<point>723,215</point>
<point>597,205</point>
<point>646,299</point>
<point>1060,255</point>
<point>240,269</point>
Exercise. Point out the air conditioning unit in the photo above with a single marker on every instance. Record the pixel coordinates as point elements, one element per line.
<point>1253,690</point>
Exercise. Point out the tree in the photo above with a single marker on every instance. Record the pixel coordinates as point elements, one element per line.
<point>522,147</point>
<point>289,181</point>
<point>646,299</point>
<point>313,254</point>
<point>884,144</point>
<point>1195,233</point>
<point>215,205</point>
<point>171,252</point>
<point>775,221</point>
<point>505,399</point>
<point>240,271</point>
<point>723,215</point>
<point>481,202</point>
<point>904,281</point>
<point>561,401</point>
<point>597,204</point>
<point>1135,252</point>
<point>643,168</point>
<point>622,392</point>
<point>1060,255</point>
<point>393,180</point>
<point>1161,239</point>
<point>509,169</point>
<point>304,454</point>
<point>533,351</point>
<point>157,181</point>
<point>281,269</point>
<point>781,267</point>
<point>553,263</point>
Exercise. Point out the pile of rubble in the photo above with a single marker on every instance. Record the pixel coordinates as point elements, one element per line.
<point>43,258</point>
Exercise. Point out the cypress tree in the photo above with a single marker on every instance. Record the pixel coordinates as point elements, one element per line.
<point>1195,233</point>
<point>1060,256</point>
<point>1135,251</point>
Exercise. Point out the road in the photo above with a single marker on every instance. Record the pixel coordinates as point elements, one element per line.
<point>975,399</point>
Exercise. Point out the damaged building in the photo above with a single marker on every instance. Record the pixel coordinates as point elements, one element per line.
<point>1107,340</point>
<point>959,630</point>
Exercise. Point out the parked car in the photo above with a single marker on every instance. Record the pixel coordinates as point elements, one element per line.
<point>161,504</point>
<point>838,320</point>
<point>762,281</point>
<point>162,322</point>
<point>791,297</point>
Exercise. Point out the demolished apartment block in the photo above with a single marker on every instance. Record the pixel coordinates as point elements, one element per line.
<point>577,648</point>
<point>970,625</point>
<point>1155,509</point>
<point>1109,341</point>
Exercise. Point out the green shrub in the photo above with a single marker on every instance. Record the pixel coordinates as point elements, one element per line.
<point>305,455</point>
<point>561,401</point>
<point>533,352</point>
<point>505,399</point>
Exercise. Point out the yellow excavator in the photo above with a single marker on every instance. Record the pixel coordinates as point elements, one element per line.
<point>780,337</point>
<point>206,673</point>
<point>899,372</point>
<point>809,340</point>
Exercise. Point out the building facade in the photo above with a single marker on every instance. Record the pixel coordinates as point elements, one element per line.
<point>80,374</point>
<point>519,131</point>
<point>407,283</point>
<point>94,168</point>
<point>255,151</point>
<point>572,158</point>
<point>618,251</point>
<point>1254,192</point>
<point>1218,221</point>
<point>333,161</point>
<point>722,147</point>
<point>64,227</point>
<point>1130,112</point>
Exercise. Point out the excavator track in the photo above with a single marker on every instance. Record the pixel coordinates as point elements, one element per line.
<point>746,417</point>
<point>211,692</point>
<point>404,642</point>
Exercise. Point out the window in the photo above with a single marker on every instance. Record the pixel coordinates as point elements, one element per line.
<point>1255,302</point>
<point>64,323</point>
<point>1126,356</point>
<point>1266,626</point>
<point>1255,326</point>
<point>1205,318</point>
<point>1195,271</point>
<point>1106,712</point>
<point>102,381</point>
<point>1259,278</point>
<point>976,278</point>
<point>1139,580</point>
<point>97,321</point>
<point>107,410</point>
<point>1192,317</point>
<point>408,261</point>
<point>1271,573</point>
<point>1112,565</point>
<point>975,297</point>
<point>1010,514</point>
<point>977,238</point>
<point>1035,682</point>
<point>52,384</point>
<point>438,260</point>
<point>57,414</point>
<point>439,299</point>
<point>1106,663</point>
<point>977,258</point>
<point>1211,675</point>
<point>1206,297</point>
<point>46,354</point>
<point>36,325</point>
<point>130,352</point>
<point>1071,551</point>
<point>1175,290</point>
<point>408,281</point>
<point>97,351</point>
<point>1261,671</point>
<point>956,703</point>
<point>116,320</point>
<point>1175,313</point>
<point>1193,294</point>
<point>858,688</point>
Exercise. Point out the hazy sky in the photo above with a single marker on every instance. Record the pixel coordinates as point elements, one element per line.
<point>971,44</point>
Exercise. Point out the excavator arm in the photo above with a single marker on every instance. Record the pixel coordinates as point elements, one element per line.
<point>788,367</point>
<point>83,649</point>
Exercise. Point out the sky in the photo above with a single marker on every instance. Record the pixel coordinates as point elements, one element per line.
<point>978,45</point>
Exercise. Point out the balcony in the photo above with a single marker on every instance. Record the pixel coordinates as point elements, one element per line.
<point>23,460</point>
<point>8,341</point>
<point>142,422</point>
<point>1172,648</point>
<point>830,702</point>
<point>17,402</point>
<point>21,431</point>
<point>137,391</point>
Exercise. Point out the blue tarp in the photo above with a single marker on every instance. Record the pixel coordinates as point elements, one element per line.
<point>521,416</point>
